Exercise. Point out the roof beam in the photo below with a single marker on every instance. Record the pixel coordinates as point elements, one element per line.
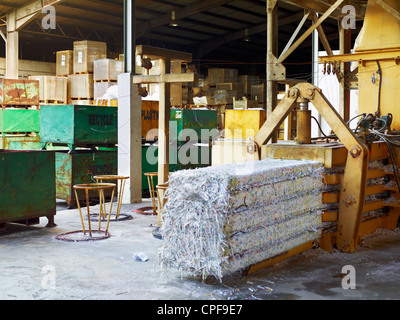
<point>179,14</point>
<point>321,6</point>
<point>23,15</point>
<point>209,46</point>
<point>310,30</point>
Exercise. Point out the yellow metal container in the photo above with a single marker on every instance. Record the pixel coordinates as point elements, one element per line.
<point>243,124</point>
<point>379,76</point>
<point>106,102</point>
<point>377,56</point>
<point>369,87</point>
<point>381,29</point>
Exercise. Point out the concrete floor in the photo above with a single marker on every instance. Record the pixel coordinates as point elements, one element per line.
<point>36,266</point>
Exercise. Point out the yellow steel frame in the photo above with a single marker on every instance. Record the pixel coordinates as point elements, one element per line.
<point>381,55</point>
<point>352,193</point>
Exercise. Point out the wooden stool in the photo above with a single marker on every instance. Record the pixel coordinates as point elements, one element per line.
<point>150,178</point>
<point>122,180</point>
<point>161,200</point>
<point>153,209</point>
<point>100,187</point>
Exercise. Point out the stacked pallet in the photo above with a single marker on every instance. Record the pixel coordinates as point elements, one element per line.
<point>19,93</point>
<point>223,219</point>
<point>52,89</point>
<point>105,76</point>
<point>224,86</point>
<point>64,63</point>
<point>81,83</point>
<point>90,72</point>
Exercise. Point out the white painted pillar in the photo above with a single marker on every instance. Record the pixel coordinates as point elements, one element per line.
<point>12,46</point>
<point>130,137</point>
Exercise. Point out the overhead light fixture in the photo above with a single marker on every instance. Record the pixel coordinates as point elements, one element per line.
<point>246,35</point>
<point>173,22</point>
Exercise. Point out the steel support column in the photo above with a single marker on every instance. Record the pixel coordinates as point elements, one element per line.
<point>130,113</point>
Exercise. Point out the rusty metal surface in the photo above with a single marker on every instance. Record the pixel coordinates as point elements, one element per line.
<point>27,185</point>
<point>19,92</point>
<point>80,168</point>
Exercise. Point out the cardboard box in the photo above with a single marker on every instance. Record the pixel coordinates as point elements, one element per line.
<point>100,89</point>
<point>222,75</point>
<point>247,81</point>
<point>258,92</point>
<point>107,69</point>
<point>86,53</point>
<point>81,86</point>
<point>52,88</point>
<point>64,63</point>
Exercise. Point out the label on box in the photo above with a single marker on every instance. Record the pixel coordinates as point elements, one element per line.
<point>80,56</point>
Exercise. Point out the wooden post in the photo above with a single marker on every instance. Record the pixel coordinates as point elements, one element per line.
<point>272,51</point>
<point>16,20</point>
<point>344,93</point>
<point>164,118</point>
<point>12,47</point>
<point>164,79</point>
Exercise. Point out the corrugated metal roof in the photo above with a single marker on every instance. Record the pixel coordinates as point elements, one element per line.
<point>198,24</point>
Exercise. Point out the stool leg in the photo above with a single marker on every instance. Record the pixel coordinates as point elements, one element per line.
<point>159,199</point>
<point>104,204</point>
<point>88,211</point>
<point>101,209</point>
<point>80,212</point>
<point>152,193</point>
<point>109,215</point>
<point>102,201</point>
<point>120,197</point>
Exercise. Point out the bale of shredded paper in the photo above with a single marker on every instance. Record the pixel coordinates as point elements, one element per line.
<point>219,220</point>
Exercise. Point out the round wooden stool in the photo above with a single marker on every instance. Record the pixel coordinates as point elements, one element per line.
<point>153,209</point>
<point>122,183</point>
<point>93,234</point>
<point>161,200</point>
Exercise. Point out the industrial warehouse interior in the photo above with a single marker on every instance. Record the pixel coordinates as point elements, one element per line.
<point>186,150</point>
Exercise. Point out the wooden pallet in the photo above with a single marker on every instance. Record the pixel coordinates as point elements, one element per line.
<point>88,101</point>
<point>108,81</point>
<point>19,134</point>
<point>272,261</point>
<point>53,102</point>
<point>20,107</point>
<point>79,73</point>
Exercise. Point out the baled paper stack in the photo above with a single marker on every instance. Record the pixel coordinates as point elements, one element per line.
<point>222,219</point>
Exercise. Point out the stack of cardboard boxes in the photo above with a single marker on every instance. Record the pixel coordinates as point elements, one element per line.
<point>86,71</point>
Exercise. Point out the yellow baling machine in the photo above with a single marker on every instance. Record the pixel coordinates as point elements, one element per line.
<point>348,155</point>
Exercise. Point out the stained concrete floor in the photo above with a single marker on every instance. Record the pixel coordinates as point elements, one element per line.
<point>36,266</point>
